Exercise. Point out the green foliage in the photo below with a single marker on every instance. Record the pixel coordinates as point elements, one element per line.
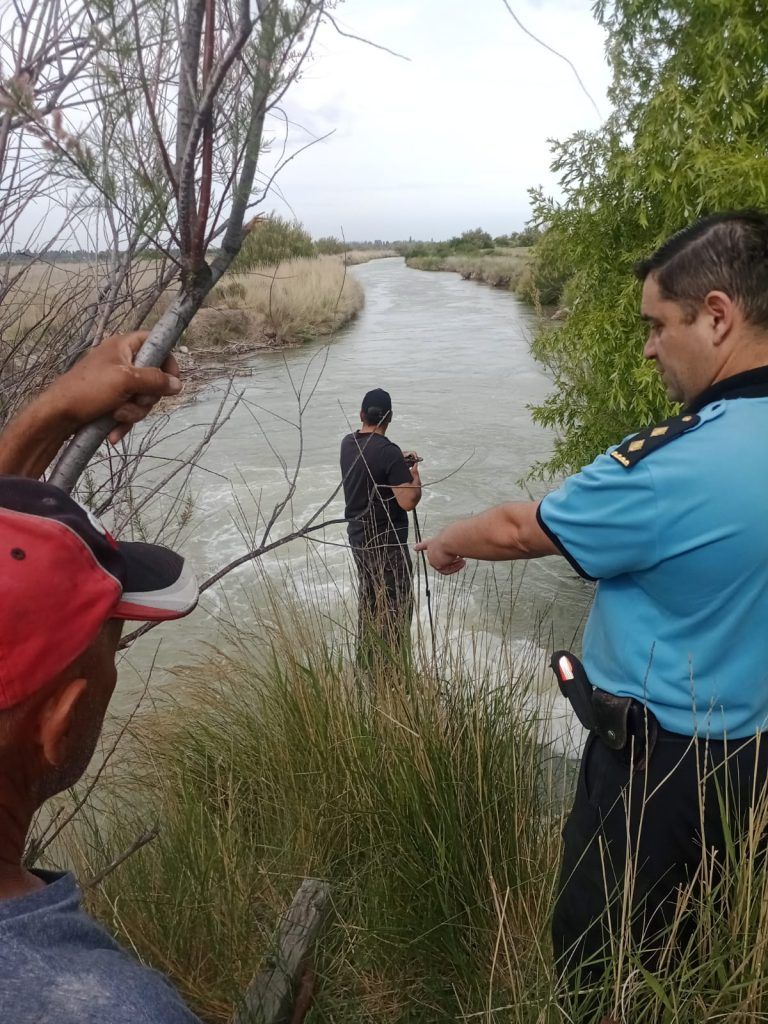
<point>329,245</point>
<point>271,241</point>
<point>420,249</point>
<point>474,241</point>
<point>517,239</point>
<point>687,137</point>
<point>548,271</point>
<point>469,241</point>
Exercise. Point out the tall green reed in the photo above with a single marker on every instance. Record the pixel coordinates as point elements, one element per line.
<point>425,795</point>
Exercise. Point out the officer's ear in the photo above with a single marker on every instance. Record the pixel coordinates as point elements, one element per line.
<point>723,314</point>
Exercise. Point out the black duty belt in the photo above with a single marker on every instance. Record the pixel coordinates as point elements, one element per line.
<point>622,723</point>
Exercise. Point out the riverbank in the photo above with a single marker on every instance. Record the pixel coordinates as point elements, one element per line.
<point>275,307</point>
<point>500,268</point>
<point>354,257</point>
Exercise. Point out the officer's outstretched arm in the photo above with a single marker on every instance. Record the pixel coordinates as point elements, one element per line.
<point>503,533</point>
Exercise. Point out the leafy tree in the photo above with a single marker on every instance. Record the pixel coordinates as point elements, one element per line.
<point>547,273</point>
<point>517,239</point>
<point>687,137</point>
<point>329,245</point>
<point>468,241</point>
<point>271,241</point>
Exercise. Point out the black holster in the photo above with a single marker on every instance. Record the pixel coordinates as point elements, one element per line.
<point>622,723</point>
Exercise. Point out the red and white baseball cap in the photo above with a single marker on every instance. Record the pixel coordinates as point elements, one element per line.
<point>62,576</point>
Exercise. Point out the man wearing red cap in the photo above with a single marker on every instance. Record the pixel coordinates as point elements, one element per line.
<point>66,586</point>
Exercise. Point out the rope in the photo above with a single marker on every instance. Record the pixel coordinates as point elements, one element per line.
<point>427,591</point>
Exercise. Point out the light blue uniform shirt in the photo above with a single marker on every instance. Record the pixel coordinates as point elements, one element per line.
<point>679,546</point>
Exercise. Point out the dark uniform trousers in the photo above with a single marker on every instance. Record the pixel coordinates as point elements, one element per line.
<point>385,599</point>
<point>660,819</point>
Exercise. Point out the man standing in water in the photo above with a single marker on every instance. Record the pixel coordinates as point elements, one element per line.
<point>381,486</point>
<point>671,525</point>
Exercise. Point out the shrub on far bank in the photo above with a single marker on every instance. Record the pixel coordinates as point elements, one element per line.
<point>272,240</point>
<point>501,262</point>
<point>330,246</point>
<point>525,238</point>
<point>500,268</point>
<point>471,241</point>
<point>474,242</point>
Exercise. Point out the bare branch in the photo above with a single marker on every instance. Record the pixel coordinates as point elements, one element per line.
<point>557,53</point>
<point>136,845</point>
<point>360,39</point>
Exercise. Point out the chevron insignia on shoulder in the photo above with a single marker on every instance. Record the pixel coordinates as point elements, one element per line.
<point>652,438</point>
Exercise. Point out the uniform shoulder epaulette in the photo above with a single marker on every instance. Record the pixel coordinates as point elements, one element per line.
<point>652,438</point>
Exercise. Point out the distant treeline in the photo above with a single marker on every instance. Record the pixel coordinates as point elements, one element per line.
<point>53,255</point>
<point>284,240</point>
<point>274,239</point>
<point>475,241</point>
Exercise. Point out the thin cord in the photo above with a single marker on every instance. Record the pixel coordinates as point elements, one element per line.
<point>427,591</point>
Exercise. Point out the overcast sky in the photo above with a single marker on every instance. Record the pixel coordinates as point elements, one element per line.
<point>450,139</point>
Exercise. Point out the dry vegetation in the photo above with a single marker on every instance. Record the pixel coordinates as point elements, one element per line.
<point>501,268</point>
<point>283,305</point>
<point>355,256</point>
<point>47,294</point>
<point>51,311</point>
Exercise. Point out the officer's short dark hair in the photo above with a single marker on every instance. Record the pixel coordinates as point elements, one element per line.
<point>727,252</point>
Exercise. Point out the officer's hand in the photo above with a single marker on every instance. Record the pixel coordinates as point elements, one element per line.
<point>105,381</point>
<point>444,561</point>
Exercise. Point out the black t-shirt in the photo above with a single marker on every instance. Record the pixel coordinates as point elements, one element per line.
<point>371,465</point>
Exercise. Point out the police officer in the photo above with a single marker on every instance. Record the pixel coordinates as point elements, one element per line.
<point>672,524</point>
<point>381,485</point>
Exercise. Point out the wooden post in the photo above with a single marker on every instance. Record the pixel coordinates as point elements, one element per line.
<point>269,999</point>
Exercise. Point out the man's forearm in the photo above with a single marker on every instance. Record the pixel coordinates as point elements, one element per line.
<point>500,534</point>
<point>31,440</point>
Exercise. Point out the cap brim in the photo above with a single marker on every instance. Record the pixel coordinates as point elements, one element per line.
<point>158,584</point>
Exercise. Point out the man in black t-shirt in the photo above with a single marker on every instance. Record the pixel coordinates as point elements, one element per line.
<point>381,485</point>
